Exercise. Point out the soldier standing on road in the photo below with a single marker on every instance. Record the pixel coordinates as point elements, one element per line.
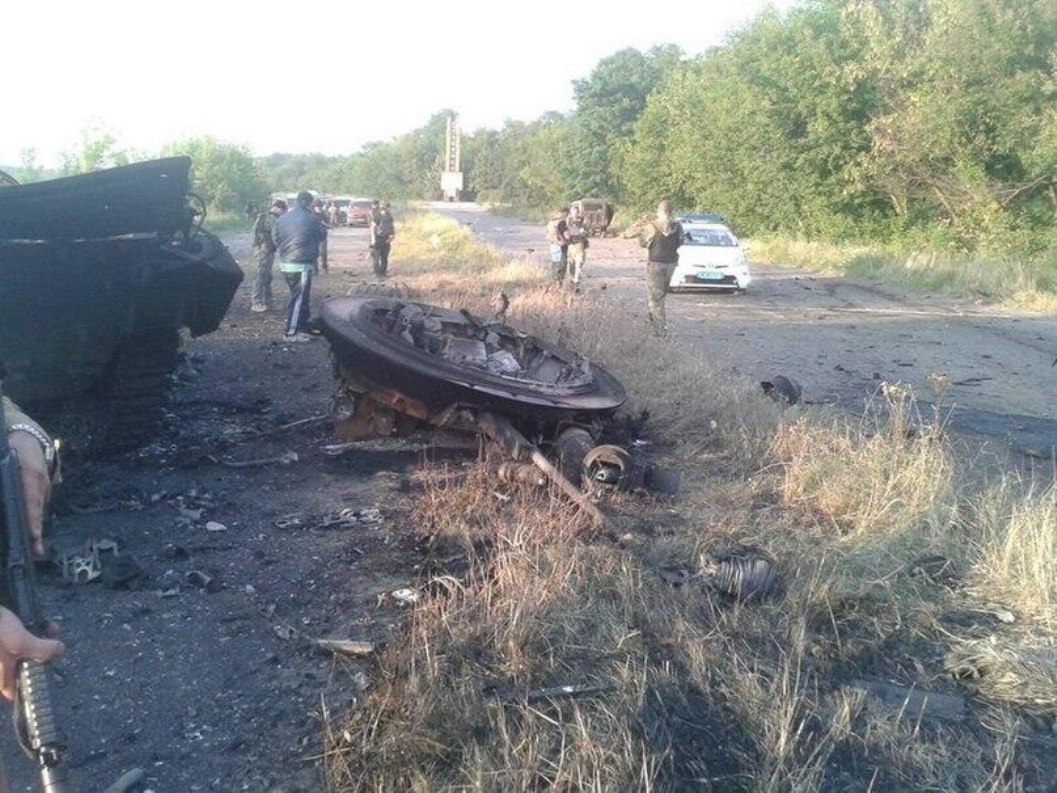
<point>298,235</point>
<point>577,249</point>
<point>662,242</point>
<point>382,233</point>
<point>321,216</point>
<point>264,255</point>
<point>558,238</point>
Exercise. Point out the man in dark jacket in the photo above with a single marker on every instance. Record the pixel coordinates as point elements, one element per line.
<point>662,242</point>
<point>298,235</point>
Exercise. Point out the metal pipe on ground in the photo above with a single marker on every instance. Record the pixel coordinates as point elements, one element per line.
<point>499,429</point>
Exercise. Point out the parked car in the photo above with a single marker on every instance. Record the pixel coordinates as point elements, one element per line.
<point>597,214</point>
<point>358,212</point>
<point>710,257</point>
<point>701,217</point>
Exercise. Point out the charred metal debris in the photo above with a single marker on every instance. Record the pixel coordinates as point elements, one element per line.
<point>402,366</point>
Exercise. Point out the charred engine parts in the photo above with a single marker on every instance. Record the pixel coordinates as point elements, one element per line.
<point>402,364</point>
<point>744,574</point>
<point>610,466</point>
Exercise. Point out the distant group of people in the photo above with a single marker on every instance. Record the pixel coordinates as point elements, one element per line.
<point>568,241</point>
<point>298,237</point>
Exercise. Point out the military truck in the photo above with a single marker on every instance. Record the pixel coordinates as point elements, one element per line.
<point>597,215</point>
<point>101,273</point>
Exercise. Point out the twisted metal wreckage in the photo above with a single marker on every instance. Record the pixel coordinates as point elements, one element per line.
<point>102,273</point>
<point>402,365</point>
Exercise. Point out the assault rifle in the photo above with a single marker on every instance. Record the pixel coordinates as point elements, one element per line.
<point>35,719</point>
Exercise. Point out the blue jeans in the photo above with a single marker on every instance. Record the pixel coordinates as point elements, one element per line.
<point>297,310</point>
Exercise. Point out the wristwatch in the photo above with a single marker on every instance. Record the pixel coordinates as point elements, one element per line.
<point>50,456</point>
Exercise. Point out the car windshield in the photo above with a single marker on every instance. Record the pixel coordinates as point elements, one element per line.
<point>712,237</point>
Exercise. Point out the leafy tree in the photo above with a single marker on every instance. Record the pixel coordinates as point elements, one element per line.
<point>225,175</point>
<point>29,170</point>
<point>608,103</point>
<point>98,150</point>
<point>964,134</point>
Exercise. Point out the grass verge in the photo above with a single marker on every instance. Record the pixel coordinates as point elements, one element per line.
<point>548,655</point>
<point>1028,283</point>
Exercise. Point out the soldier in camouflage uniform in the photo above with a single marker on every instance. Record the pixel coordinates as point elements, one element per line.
<point>264,255</point>
<point>383,231</point>
<point>321,215</point>
<point>662,240</point>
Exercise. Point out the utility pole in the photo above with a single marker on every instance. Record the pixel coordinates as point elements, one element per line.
<point>451,178</point>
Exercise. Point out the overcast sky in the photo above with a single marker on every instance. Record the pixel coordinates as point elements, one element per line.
<point>298,77</point>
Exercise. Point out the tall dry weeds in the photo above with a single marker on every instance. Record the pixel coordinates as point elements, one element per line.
<point>684,688</point>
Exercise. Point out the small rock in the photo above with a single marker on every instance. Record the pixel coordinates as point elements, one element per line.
<point>912,702</point>
<point>171,552</point>
<point>215,526</point>
<point>202,580</point>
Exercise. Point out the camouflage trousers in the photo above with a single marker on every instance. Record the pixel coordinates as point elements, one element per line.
<point>657,279</point>
<point>576,256</point>
<point>262,284</point>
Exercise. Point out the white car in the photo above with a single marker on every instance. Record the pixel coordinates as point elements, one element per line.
<point>710,258</point>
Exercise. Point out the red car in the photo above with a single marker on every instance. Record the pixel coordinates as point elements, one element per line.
<point>358,212</point>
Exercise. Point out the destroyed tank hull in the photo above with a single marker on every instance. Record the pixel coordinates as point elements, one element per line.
<point>443,358</point>
<point>101,274</point>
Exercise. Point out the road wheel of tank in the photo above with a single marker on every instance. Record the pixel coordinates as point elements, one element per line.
<point>571,447</point>
<point>134,391</point>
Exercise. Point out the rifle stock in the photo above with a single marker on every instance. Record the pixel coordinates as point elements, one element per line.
<point>37,726</point>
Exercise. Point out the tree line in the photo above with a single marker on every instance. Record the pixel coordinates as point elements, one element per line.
<point>932,122</point>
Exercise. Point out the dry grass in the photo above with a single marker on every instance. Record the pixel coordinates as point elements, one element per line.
<point>873,497</point>
<point>1016,554</point>
<point>437,254</point>
<point>690,690</point>
<point>704,411</point>
<point>1008,279</point>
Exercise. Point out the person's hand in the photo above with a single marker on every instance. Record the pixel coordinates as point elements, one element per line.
<point>18,644</point>
<point>36,485</point>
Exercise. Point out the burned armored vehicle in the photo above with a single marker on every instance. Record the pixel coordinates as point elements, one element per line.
<point>439,359</point>
<point>100,274</point>
<point>403,364</point>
